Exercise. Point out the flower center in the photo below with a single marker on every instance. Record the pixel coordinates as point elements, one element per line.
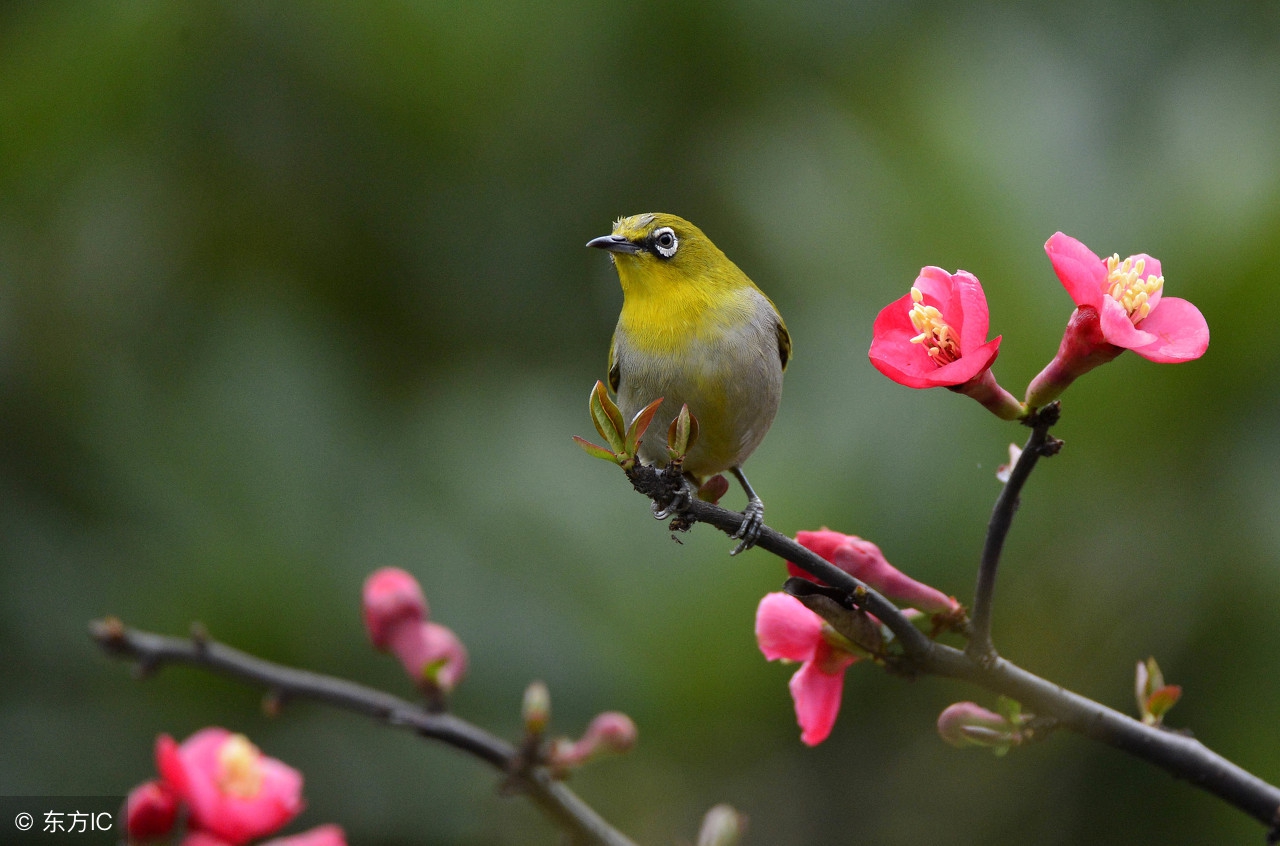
<point>239,767</point>
<point>937,336</point>
<point>1127,286</point>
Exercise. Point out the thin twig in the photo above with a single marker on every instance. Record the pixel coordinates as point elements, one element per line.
<point>1178,754</point>
<point>981,648</point>
<point>561,805</point>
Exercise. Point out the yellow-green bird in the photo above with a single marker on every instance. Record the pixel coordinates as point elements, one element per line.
<point>694,329</point>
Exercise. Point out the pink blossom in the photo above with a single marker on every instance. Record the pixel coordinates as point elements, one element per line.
<point>936,336</point>
<point>788,631</point>
<point>1120,305</point>
<point>150,811</point>
<point>233,791</point>
<point>391,596</point>
<point>863,560</point>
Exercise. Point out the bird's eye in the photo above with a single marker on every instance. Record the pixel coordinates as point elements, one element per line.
<point>665,242</point>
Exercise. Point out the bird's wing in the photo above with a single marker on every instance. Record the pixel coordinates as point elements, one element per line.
<point>784,344</point>
<point>615,373</point>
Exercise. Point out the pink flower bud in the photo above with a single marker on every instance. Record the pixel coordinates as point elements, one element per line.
<point>969,724</point>
<point>391,596</point>
<point>150,811</point>
<point>863,560</point>
<point>233,791</point>
<point>431,654</point>
<point>612,731</point>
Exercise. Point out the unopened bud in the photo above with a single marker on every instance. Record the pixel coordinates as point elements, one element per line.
<point>967,724</point>
<point>722,826</point>
<point>150,811</point>
<point>391,597</point>
<point>536,709</point>
<point>611,731</point>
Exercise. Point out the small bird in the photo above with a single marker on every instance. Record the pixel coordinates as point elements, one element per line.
<point>695,330</point>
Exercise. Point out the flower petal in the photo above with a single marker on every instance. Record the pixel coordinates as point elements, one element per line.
<point>1118,328</point>
<point>786,629</point>
<point>892,352</point>
<point>817,700</point>
<point>1150,267</point>
<point>1082,273</point>
<point>1180,332</point>
<point>321,835</point>
<point>967,367</point>
<point>863,560</point>
<point>969,315</point>
<point>935,284</point>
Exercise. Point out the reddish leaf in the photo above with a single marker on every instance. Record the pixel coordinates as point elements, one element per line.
<point>595,451</point>
<point>639,424</point>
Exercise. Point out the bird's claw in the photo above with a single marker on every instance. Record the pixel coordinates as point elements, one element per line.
<point>678,503</point>
<point>752,522</point>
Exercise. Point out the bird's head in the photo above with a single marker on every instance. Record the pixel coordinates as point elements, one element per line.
<point>655,251</point>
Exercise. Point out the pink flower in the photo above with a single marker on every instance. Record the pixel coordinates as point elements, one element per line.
<point>1120,305</point>
<point>391,596</point>
<point>936,336</point>
<point>321,835</point>
<point>863,560</point>
<point>233,791</point>
<point>150,811</point>
<point>788,631</point>
<point>395,615</point>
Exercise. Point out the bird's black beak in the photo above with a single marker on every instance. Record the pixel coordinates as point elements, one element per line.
<point>614,244</point>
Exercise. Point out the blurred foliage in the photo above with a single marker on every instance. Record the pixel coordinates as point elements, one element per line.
<point>292,291</point>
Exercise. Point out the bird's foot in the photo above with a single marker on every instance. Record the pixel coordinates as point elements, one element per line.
<point>752,521</point>
<point>678,502</point>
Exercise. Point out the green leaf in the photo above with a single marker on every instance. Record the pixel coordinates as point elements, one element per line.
<point>682,433</point>
<point>1010,709</point>
<point>607,418</point>
<point>596,451</point>
<point>639,424</point>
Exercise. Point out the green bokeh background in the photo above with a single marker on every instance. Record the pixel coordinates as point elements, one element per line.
<point>289,292</point>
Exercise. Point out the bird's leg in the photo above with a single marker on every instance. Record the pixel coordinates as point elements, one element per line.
<point>752,515</point>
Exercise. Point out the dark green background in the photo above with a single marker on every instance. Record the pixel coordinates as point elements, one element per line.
<point>289,292</point>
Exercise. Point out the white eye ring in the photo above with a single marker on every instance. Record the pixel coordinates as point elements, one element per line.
<point>665,242</point>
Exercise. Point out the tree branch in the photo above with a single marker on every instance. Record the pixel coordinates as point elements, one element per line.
<point>980,648</point>
<point>561,805</point>
<point>1180,755</point>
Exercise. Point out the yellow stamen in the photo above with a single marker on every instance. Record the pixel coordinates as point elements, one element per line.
<point>239,767</point>
<point>1127,286</point>
<point>939,339</point>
